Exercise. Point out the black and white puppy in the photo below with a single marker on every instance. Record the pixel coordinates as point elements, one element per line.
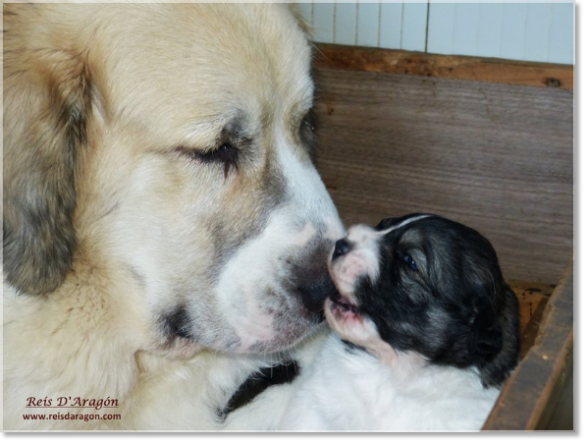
<point>426,332</point>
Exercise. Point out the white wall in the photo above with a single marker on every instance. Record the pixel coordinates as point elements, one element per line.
<point>542,32</point>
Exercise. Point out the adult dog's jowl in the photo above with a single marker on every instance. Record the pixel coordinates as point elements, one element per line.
<point>165,230</point>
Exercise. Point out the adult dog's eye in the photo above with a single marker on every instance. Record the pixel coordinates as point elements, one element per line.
<point>309,121</point>
<point>225,154</point>
<point>410,262</point>
<point>307,132</point>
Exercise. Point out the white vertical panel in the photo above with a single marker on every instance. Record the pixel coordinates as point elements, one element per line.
<point>368,20</point>
<point>513,31</point>
<point>323,22</point>
<point>519,31</point>
<point>414,26</point>
<point>391,16</point>
<point>488,37</point>
<point>306,10</point>
<point>537,32</point>
<point>561,39</point>
<point>465,28</point>
<point>441,27</point>
<point>345,26</point>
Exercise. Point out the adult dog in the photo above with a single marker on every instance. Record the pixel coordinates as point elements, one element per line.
<point>165,230</point>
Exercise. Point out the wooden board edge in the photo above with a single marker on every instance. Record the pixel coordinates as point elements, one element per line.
<point>551,407</point>
<point>537,381</point>
<point>491,70</point>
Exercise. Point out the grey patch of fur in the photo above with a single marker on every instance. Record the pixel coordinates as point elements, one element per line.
<point>230,235</point>
<point>40,197</point>
<point>207,325</point>
<point>138,277</point>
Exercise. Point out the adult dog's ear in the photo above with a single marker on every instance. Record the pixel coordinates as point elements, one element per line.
<point>46,100</point>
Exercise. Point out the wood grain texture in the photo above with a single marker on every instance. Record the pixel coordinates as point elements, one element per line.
<point>529,398</point>
<point>494,70</point>
<point>496,157</point>
<point>533,298</point>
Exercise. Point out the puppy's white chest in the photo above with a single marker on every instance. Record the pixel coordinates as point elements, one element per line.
<point>348,389</point>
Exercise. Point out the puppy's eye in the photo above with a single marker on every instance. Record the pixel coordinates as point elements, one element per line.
<point>410,262</point>
<point>225,154</point>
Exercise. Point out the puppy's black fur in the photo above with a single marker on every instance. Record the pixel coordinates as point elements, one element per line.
<point>452,306</point>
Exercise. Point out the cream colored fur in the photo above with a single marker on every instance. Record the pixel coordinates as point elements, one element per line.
<point>148,221</point>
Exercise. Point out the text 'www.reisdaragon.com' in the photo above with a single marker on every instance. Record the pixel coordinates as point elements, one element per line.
<point>72,416</point>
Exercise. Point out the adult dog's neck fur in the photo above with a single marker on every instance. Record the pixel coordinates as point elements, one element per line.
<point>85,364</point>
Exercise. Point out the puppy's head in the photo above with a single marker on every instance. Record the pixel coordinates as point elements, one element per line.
<point>425,284</point>
<point>168,149</point>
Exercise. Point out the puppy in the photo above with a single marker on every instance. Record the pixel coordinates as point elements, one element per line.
<point>427,332</point>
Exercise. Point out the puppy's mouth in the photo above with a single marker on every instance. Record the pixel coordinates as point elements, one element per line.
<point>342,306</point>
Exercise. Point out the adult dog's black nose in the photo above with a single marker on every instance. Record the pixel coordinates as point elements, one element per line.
<point>312,279</point>
<point>342,247</point>
<point>315,292</point>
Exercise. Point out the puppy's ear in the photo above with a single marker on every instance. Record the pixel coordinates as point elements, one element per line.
<point>486,338</point>
<point>385,223</point>
<point>495,340</point>
<point>46,98</point>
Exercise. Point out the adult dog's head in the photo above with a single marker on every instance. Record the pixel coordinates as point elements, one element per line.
<point>163,153</point>
<point>428,285</point>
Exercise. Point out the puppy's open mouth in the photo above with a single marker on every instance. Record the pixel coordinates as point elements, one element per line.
<point>344,305</point>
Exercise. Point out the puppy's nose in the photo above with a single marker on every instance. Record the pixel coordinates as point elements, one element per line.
<point>342,247</point>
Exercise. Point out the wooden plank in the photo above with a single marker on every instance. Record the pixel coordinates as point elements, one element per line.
<point>496,157</point>
<point>533,298</point>
<point>562,416</point>
<point>531,394</point>
<point>444,66</point>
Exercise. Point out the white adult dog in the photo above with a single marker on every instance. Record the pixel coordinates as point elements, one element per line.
<point>165,230</point>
